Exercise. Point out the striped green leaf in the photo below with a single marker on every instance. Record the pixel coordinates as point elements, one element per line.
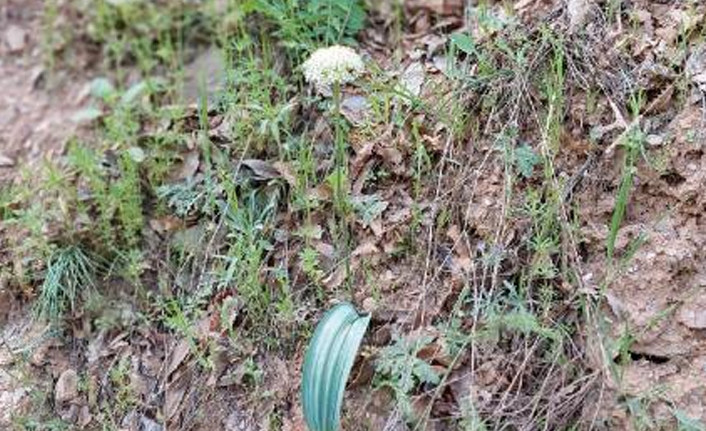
<point>328,363</point>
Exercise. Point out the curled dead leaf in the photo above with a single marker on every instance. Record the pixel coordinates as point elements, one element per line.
<point>261,169</point>
<point>287,172</point>
<point>441,7</point>
<point>355,109</point>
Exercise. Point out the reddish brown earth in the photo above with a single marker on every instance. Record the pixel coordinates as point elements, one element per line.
<point>661,296</point>
<point>36,103</point>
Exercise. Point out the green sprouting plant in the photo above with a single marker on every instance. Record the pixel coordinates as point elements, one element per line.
<point>421,162</point>
<point>368,208</point>
<point>146,33</point>
<point>518,320</point>
<point>525,160</point>
<point>50,33</point>
<point>470,418</point>
<point>399,368</point>
<point>339,177</point>
<point>125,395</point>
<point>87,165</point>
<point>509,312</point>
<point>304,25</point>
<point>686,422</point>
<point>184,197</point>
<point>257,99</point>
<point>127,195</point>
<point>70,274</point>
<point>545,236</point>
<point>117,199</point>
<point>633,144</point>
<point>553,89</point>
<point>301,151</point>
<point>247,241</point>
<point>27,423</point>
<point>310,264</point>
<point>638,408</point>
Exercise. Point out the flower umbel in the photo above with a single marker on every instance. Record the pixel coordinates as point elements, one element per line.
<point>333,65</point>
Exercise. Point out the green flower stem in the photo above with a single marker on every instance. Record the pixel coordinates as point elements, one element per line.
<point>340,175</point>
<point>339,151</point>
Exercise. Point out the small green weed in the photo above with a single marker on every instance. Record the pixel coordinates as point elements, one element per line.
<point>305,25</point>
<point>633,144</point>
<point>399,368</point>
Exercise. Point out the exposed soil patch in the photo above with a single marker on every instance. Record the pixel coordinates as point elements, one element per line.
<point>36,104</point>
<point>659,296</point>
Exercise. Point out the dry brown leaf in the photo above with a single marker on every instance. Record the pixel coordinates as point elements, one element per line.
<point>15,38</point>
<point>355,109</point>
<point>693,313</point>
<point>376,227</point>
<point>177,356</point>
<point>399,215</point>
<point>66,387</point>
<point>361,178</point>
<point>188,167</point>
<point>321,193</point>
<point>441,7</point>
<point>463,255</point>
<point>336,278</point>
<point>174,393</point>
<point>412,78</point>
<point>166,224</point>
<point>84,417</point>
<point>326,250</point>
<point>696,66</point>
<point>287,172</point>
<point>263,170</point>
<point>361,158</point>
<point>365,249</point>
<point>390,155</point>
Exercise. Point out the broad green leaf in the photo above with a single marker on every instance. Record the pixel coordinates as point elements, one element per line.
<point>101,88</point>
<point>137,154</point>
<point>463,42</point>
<point>526,160</point>
<point>133,93</point>
<point>87,115</point>
<point>328,362</point>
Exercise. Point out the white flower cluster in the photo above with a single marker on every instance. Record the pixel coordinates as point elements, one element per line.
<point>333,65</point>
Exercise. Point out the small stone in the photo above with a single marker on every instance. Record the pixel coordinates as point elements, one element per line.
<point>6,161</point>
<point>149,425</point>
<point>237,421</point>
<point>578,13</point>
<point>15,38</point>
<point>369,305</point>
<point>137,154</point>
<point>654,140</point>
<point>130,420</point>
<point>412,78</point>
<point>696,63</point>
<point>693,315</point>
<point>66,387</point>
<point>355,109</point>
<point>69,414</point>
<point>12,402</point>
<point>84,417</point>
